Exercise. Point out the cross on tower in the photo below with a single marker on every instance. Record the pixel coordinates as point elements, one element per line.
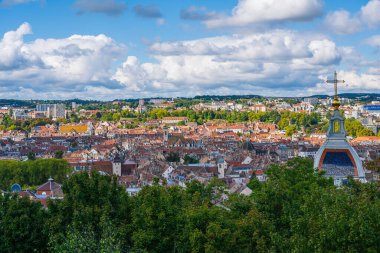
<point>335,82</point>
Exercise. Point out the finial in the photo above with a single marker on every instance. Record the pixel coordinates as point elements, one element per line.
<point>335,81</point>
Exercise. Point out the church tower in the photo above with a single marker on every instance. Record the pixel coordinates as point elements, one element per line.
<point>165,134</point>
<point>116,165</point>
<point>336,156</point>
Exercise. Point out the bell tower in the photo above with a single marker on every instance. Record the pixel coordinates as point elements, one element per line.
<point>336,157</point>
<point>165,134</point>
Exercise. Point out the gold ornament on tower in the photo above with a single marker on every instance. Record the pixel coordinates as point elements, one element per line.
<point>335,81</point>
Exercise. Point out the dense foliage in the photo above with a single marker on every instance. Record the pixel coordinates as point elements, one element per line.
<point>25,125</point>
<point>22,225</point>
<point>32,172</point>
<point>296,210</point>
<point>286,119</point>
<point>355,128</point>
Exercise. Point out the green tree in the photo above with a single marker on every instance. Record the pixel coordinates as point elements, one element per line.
<point>373,165</point>
<point>93,204</point>
<point>22,225</point>
<point>290,130</point>
<point>58,154</point>
<point>157,219</point>
<point>181,123</point>
<point>173,157</point>
<point>31,156</point>
<point>32,172</point>
<point>188,159</point>
<point>355,128</point>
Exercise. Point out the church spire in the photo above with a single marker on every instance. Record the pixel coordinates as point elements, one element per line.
<point>335,81</point>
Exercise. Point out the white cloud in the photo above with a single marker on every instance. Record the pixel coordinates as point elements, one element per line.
<point>262,11</point>
<point>370,13</point>
<point>373,41</point>
<point>354,82</point>
<point>324,52</point>
<point>57,65</point>
<point>275,62</point>
<point>283,60</point>
<point>11,47</point>
<point>342,22</point>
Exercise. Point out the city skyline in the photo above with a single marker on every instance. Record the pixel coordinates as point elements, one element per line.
<point>116,49</point>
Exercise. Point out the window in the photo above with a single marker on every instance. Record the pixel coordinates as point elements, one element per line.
<point>336,127</point>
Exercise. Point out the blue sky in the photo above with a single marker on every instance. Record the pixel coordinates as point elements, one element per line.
<point>110,49</point>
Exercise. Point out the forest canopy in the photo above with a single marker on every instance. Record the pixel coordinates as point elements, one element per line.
<point>296,210</point>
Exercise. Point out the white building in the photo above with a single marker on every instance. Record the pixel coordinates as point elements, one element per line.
<point>54,111</point>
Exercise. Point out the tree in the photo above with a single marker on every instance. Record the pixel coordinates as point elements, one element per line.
<point>116,117</point>
<point>355,128</point>
<point>32,172</point>
<point>58,154</point>
<point>295,210</point>
<point>157,223</point>
<point>95,205</point>
<point>373,165</point>
<point>31,156</point>
<point>74,118</point>
<point>22,225</point>
<point>98,115</point>
<point>302,207</point>
<point>181,123</point>
<point>173,157</point>
<point>190,159</point>
<point>290,130</point>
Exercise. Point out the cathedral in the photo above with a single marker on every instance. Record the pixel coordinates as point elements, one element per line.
<point>336,157</point>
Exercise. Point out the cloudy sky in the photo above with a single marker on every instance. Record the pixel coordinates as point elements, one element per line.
<point>109,49</point>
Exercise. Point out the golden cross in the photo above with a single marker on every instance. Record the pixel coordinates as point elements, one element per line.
<point>335,82</point>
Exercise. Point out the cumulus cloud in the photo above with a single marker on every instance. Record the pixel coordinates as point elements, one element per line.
<point>109,7</point>
<point>354,82</point>
<point>370,13</point>
<point>267,11</point>
<point>374,41</point>
<point>275,62</point>
<point>343,22</point>
<point>147,11</point>
<point>11,47</point>
<point>70,64</point>
<point>283,60</point>
<point>324,52</point>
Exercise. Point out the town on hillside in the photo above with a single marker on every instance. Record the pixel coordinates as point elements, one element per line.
<point>177,140</point>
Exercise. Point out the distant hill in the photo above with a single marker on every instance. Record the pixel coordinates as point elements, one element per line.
<point>361,96</point>
<point>32,103</point>
<point>226,97</point>
<point>15,103</point>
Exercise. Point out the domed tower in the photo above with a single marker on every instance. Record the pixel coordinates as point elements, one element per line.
<point>336,156</point>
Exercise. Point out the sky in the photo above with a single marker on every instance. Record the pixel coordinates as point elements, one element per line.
<point>117,49</point>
